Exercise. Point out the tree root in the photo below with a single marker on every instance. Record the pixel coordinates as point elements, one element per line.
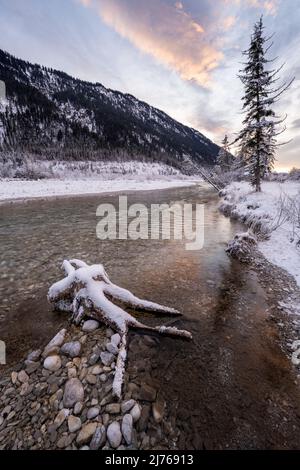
<point>86,291</point>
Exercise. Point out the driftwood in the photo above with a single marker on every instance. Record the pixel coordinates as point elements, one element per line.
<point>86,291</point>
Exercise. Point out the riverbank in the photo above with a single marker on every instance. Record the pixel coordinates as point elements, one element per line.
<point>15,189</point>
<point>61,397</point>
<point>272,213</point>
<point>276,259</point>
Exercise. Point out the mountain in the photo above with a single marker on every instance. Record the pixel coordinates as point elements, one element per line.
<point>51,115</point>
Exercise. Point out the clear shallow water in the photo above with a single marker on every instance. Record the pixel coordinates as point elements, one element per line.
<point>37,235</point>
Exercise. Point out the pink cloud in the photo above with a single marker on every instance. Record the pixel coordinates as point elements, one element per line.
<point>269,6</point>
<point>165,31</point>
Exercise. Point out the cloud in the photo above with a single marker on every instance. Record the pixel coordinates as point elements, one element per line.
<point>167,32</point>
<point>296,124</point>
<point>270,7</point>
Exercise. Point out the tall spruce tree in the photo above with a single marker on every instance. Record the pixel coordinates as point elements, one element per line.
<point>261,126</point>
<point>224,158</point>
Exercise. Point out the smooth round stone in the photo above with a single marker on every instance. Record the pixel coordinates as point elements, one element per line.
<point>136,412</point>
<point>127,428</point>
<point>115,339</point>
<point>71,349</point>
<point>56,342</point>
<point>73,393</point>
<point>127,405</point>
<point>90,325</point>
<point>114,434</point>
<point>74,423</point>
<point>86,434</point>
<point>92,413</point>
<point>52,363</point>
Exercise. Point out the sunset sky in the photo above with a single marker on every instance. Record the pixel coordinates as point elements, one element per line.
<point>180,56</point>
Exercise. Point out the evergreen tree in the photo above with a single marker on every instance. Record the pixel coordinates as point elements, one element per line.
<point>224,158</point>
<point>261,126</point>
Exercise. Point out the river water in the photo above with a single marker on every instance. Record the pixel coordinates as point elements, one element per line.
<point>37,235</point>
<point>232,385</point>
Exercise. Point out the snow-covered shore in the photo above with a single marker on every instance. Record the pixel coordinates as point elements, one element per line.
<point>267,208</point>
<point>12,189</point>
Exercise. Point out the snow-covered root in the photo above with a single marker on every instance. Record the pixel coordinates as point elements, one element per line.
<point>241,246</point>
<point>164,330</point>
<point>86,291</point>
<point>120,367</point>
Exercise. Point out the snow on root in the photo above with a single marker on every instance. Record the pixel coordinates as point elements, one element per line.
<point>241,246</point>
<point>87,291</point>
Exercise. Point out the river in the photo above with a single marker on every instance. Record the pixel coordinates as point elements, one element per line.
<point>232,386</point>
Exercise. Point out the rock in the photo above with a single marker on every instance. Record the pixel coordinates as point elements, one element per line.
<point>90,325</point>
<point>31,367</point>
<point>61,443</point>
<point>77,361</point>
<point>91,379</point>
<point>11,415</point>
<point>106,358</point>
<point>73,393</point>
<point>146,393</point>
<point>114,434</point>
<point>23,377</point>
<point>60,418</point>
<point>150,341</point>
<point>86,434</point>
<point>103,378</point>
<point>105,419</point>
<point>14,377</point>
<point>97,370</point>
<point>109,332</point>
<point>52,363</point>
<point>112,349</point>
<point>93,359</point>
<point>127,405</point>
<point>34,355</point>
<point>158,409</point>
<point>143,421</point>
<point>127,428</point>
<point>99,438</point>
<point>72,373</point>
<point>71,349</point>
<point>115,339</point>
<point>74,423</point>
<point>136,412</point>
<point>83,339</point>
<point>78,408</point>
<point>56,342</point>
<point>92,413</point>
<point>145,442</point>
<point>26,389</point>
<point>113,408</point>
<point>5,412</point>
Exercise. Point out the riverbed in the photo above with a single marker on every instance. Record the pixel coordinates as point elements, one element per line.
<point>232,386</point>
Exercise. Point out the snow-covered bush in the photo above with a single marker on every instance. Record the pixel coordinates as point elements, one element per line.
<point>289,207</point>
<point>13,165</point>
<point>241,247</point>
<point>294,174</point>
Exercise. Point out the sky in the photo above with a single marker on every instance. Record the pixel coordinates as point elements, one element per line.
<point>180,56</point>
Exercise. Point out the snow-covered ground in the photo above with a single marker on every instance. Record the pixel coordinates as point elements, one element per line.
<point>269,208</point>
<point>24,189</point>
